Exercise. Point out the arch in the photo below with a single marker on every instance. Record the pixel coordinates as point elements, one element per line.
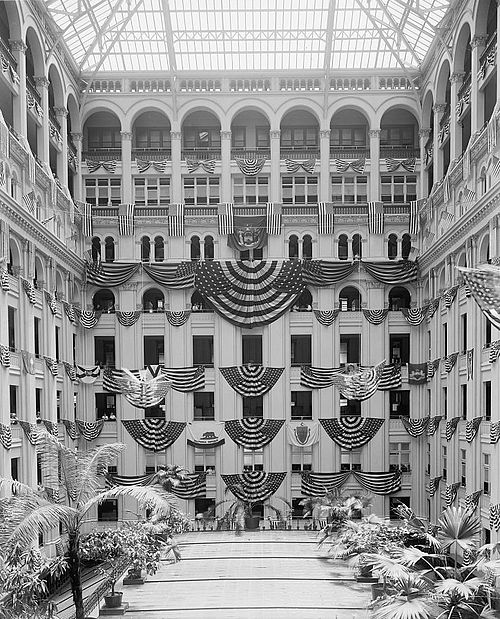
<point>95,249</point>
<point>159,244</point>
<point>396,103</point>
<point>14,263</point>
<point>293,247</point>
<point>199,304</point>
<point>195,248</point>
<point>13,20</point>
<point>392,246</point>
<point>251,105</point>
<point>460,49</point>
<point>483,16</point>
<point>141,107</point>
<point>104,301</point>
<point>406,246</point>
<point>153,300</point>
<point>109,249</point>
<point>145,248</point>
<point>443,83</point>
<point>39,274</point>
<point>75,292</point>
<point>399,297</point>
<point>208,248</point>
<point>60,288</point>
<point>357,245</point>
<point>303,302</point>
<point>484,249</point>
<point>343,251</point>
<point>73,114</point>
<point>427,105</point>
<point>201,105</point>
<point>350,104</point>
<point>98,107</point>
<point>36,53</point>
<point>57,85</point>
<point>299,104</point>
<point>307,247</point>
<point>349,299</point>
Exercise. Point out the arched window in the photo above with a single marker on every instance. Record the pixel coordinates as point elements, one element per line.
<point>13,187</point>
<point>399,298</point>
<point>357,250</point>
<point>36,277</point>
<point>159,249</point>
<point>293,247</point>
<point>109,249</point>
<point>304,302</point>
<point>95,250</point>
<point>145,249</point>
<point>199,304</point>
<point>209,248</point>
<point>195,248</point>
<point>153,300</point>
<point>406,246</point>
<point>343,251</point>
<point>104,301</point>
<point>392,247</point>
<point>307,248</point>
<point>349,299</point>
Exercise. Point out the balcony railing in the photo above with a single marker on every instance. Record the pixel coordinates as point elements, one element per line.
<point>465,86</point>
<point>31,87</point>
<point>349,152</point>
<point>299,152</point>
<point>102,154</point>
<point>160,210</point>
<point>399,152</point>
<point>488,57</point>
<point>251,153</point>
<point>152,154</point>
<point>5,51</point>
<point>200,153</point>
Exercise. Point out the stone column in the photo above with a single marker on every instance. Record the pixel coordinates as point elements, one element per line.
<point>456,80</point>
<point>498,52</point>
<point>176,178</point>
<point>423,136</point>
<point>20,110</point>
<point>476,97</point>
<point>493,227</point>
<point>42,84</point>
<point>79,191</point>
<point>374,193</point>
<point>275,135</point>
<point>324,145</point>
<point>62,161</point>
<point>126,167</point>
<point>225,143</point>
<point>438,157</point>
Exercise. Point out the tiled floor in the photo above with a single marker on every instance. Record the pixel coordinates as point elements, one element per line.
<point>278,574</point>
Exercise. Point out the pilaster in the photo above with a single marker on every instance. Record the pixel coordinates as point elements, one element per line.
<point>374,164</point>
<point>18,49</point>
<point>324,145</point>
<point>476,97</point>
<point>62,159</point>
<point>275,135</point>
<point>126,167</point>
<point>225,144</point>
<point>42,84</point>
<point>78,141</point>
<point>423,136</point>
<point>176,178</point>
<point>456,80</point>
<point>438,157</point>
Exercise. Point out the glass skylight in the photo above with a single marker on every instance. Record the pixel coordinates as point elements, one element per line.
<point>246,35</point>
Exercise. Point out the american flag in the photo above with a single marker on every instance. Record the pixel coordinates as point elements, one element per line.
<point>176,219</point>
<point>484,285</point>
<point>376,217</point>
<point>294,166</point>
<point>495,172</point>
<point>325,218</point>
<point>126,219</point>
<point>469,197</point>
<point>2,173</point>
<point>29,201</point>
<point>86,212</point>
<point>415,206</point>
<point>274,219</point>
<point>226,218</point>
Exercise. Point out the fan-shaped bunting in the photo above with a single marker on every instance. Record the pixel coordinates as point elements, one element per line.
<point>352,431</point>
<point>472,428</point>
<point>5,436</point>
<point>88,374</point>
<point>449,361</point>
<point>31,430</point>
<point>415,316</point>
<point>71,429</point>
<point>254,485</point>
<point>90,430</point>
<point>178,319</point>
<point>451,427</point>
<point>253,432</point>
<point>433,424</point>
<point>376,317</point>
<point>138,389</point>
<point>251,380</point>
<point>51,301</point>
<point>127,319</point>
<point>87,318</point>
<point>326,317</point>
<point>494,432</point>
<point>154,434</point>
<point>4,356</point>
<point>415,427</point>
<point>250,166</point>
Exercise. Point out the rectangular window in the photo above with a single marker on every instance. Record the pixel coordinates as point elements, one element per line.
<point>250,189</point>
<point>444,462</point>
<point>262,137</point>
<point>151,191</point>
<point>36,333</point>
<point>203,406</point>
<point>399,457</point>
<point>301,350</point>
<point>350,459</point>
<point>105,406</point>
<point>397,136</point>
<point>398,189</point>
<point>301,405</point>
<point>107,511</point>
<point>350,349</point>
<point>445,338</point>
<point>399,403</point>
<point>428,459</point>
<point>486,473</point>
<point>429,402</point>
<point>13,401</point>
<point>201,190</point>
<point>39,471</point>
<point>348,136</point>
<point>103,191</point>
<point>463,332</point>
<point>152,138</point>
<point>299,189</point>
<point>463,468</point>
<point>204,460</point>
<point>57,336</point>
<point>399,348</point>
<point>253,406</point>
<point>349,189</point>
<point>38,402</point>
<point>301,458</point>
<point>349,407</point>
<point>487,400</point>
<point>429,345</point>
<point>299,137</point>
<point>104,350</point>
<point>58,405</point>
<point>74,348</point>
<point>253,460</point>
<point>463,400</point>
<point>238,137</point>
<point>252,349</point>
<point>154,350</point>
<point>487,332</point>
<point>14,468</point>
<point>444,397</point>
<point>11,320</point>
<point>203,350</point>
<point>201,138</point>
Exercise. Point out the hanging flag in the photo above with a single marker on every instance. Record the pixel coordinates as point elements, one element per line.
<point>432,308</point>
<point>326,273</point>
<point>90,430</point>
<point>225,214</point>
<point>71,429</point>
<point>391,377</point>
<point>5,436</point>
<point>449,361</point>
<point>359,383</point>
<point>326,317</point>
<point>469,198</point>
<point>126,219</point>
<point>494,432</point>
<point>176,219</point>
<point>184,379</point>
<point>470,363</point>
<point>250,232</point>
<point>302,433</point>
<point>31,430</point>
<point>392,272</point>
<point>414,223</point>
<point>414,316</point>
<point>434,485</point>
<point>352,431</point>
<point>4,356</point>
<point>154,434</point>
<point>446,189</point>
<point>450,494</point>
<point>254,485</point>
<point>484,285</point>
<point>451,427</point>
<point>108,166</point>
<point>375,217</point>
<point>472,428</point>
<point>52,365</point>
<point>128,319</point>
<point>69,310</point>
<point>52,427</point>
<point>274,220</point>
<point>192,486</point>
<point>376,317</point>
<point>250,167</point>
<point>136,386</point>
<point>415,427</point>
<point>51,300</point>
<point>433,424</point>
<point>318,484</point>
<point>178,319</point>
<point>495,172</point>
<point>28,361</point>
<point>294,166</point>
<point>88,374</point>
<point>253,432</point>
<point>29,289</point>
<point>356,165</point>
<point>472,500</point>
<point>379,482</point>
<point>417,373</point>
<point>85,209</point>
<point>205,434</point>
<point>29,201</point>
<point>3,177</point>
<point>251,380</point>
<point>494,351</point>
<point>207,165</point>
<point>495,517</point>
<point>449,296</point>
<point>326,218</point>
<point>70,371</point>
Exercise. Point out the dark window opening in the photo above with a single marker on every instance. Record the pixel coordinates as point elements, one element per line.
<point>252,349</point>
<point>107,511</point>
<point>105,406</point>
<point>203,406</point>
<point>154,350</point>
<point>104,351</point>
<point>253,407</point>
<point>203,350</point>
<point>301,405</point>
<point>399,402</point>
<point>301,350</point>
<point>399,348</point>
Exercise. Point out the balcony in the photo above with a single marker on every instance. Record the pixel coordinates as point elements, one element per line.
<point>399,151</point>
<point>102,154</point>
<point>152,154</point>
<point>251,153</point>
<point>465,87</point>
<point>201,153</point>
<point>6,53</point>
<point>488,57</point>
<point>299,152</point>
<point>349,152</point>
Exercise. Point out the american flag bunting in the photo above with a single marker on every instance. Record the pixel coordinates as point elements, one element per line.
<point>176,220</point>
<point>376,217</point>
<point>274,219</point>
<point>414,224</point>
<point>29,201</point>
<point>326,218</point>
<point>226,218</point>
<point>126,219</point>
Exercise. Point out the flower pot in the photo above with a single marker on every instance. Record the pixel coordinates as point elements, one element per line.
<point>113,600</point>
<point>377,590</point>
<point>252,523</point>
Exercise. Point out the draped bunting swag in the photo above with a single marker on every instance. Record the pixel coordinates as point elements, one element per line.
<point>254,485</point>
<point>472,500</point>
<point>52,427</point>
<point>185,379</point>
<point>111,274</point>
<point>450,494</point>
<point>207,165</point>
<point>52,365</point>
<point>407,164</point>
<point>154,434</point>
<point>128,319</point>
<point>5,436</point>
<point>356,165</point>
<point>251,380</point>
<point>158,166</point>
<point>30,430</point>
<point>195,485</point>
<point>294,166</point>
<point>327,317</point>
<point>317,484</point>
<point>178,319</point>
<point>88,374</point>
<point>434,485</point>
<point>415,427</point>
<point>433,424</point>
<point>449,361</point>
<point>90,430</point>
<point>352,431</point>
<point>495,517</point>
<point>71,429</point>
<point>253,432</point>
<point>376,317</point>
<point>323,273</point>
<point>51,301</point>
<point>451,427</point>
<point>303,433</point>
<point>415,316</point>
<point>175,276</point>
<point>108,166</point>
<point>392,272</point>
<point>4,356</point>
<point>29,289</point>
<point>494,432</point>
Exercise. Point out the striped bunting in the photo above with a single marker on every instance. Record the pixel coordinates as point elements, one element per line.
<point>484,285</point>
<point>392,272</point>
<point>432,367</point>
<point>87,318</point>
<point>4,280</point>
<point>449,361</point>
<point>449,296</point>
<point>207,165</point>
<point>356,165</point>
<point>88,374</point>
<point>493,316</point>
<point>85,210</point>
<point>111,274</point>
<point>323,273</point>
<point>250,167</point>
<point>176,220</point>
<point>127,319</point>
<point>317,377</point>
<point>470,556</point>
<point>178,319</point>
<point>494,432</point>
<point>415,427</point>
<point>108,166</point>
<point>254,485</point>
<point>273,218</point>
<point>175,276</point>
<point>360,384</point>
<point>5,436</point>
<point>451,427</point>
<point>195,485</point>
<point>379,482</point>
<point>472,500</point>
<point>90,430</point>
<point>225,215</point>
<point>495,517</point>
<point>137,386</point>
<point>113,479</point>
<point>375,217</point>
<point>375,317</point>
<point>29,289</point>
<point>29,202</point>
<point>185,379</point>
<point>52,427</point>
<point>154,434</point>
<point>69,310</point>
<point>158,166</point>
<point>494,351</point>
<point>432,308</point>
<point>407,164</point>
<point>31,431</point>
<point>71,429</point>
<point>126,219</point>
<point>51,301</point>
<point>414,224</point>
<point>249,294</point>
<point>352,431</point>
<point>326,317</point>
<point>326,218</point>
<point>294,166</point>
<point>253,432</point>
<point>434,485</point>
<point>391,377</point>
<point>70,371</point>
<point>415,316</point>
<point>52,494</point>
<point>52,365</point>
<point>317,484</point>
<point>450,493</point>
<point>4,356</point>
<point>433,424</point>
<point>251,380</point>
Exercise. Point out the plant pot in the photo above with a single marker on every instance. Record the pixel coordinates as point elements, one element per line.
<point>252,523</point>
<point>113,600</point>
<point>366,575</point>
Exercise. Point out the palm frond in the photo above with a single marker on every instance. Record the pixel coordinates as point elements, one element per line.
<point>155,497</point>
<point>412,555</point>
<point>403,608</point>
<point>91,465</point>
<point>15,487</point>
<point>458,589</point>
<point>386,566</point>
<point>459,526</point>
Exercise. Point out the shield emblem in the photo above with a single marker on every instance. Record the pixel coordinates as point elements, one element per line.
<point>302,434</point>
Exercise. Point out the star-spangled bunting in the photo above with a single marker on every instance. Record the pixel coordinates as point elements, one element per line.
<point>391,377</point>
<point>253,432</point>
<point>325,273</point>
<point>415,427</point>
<point>254,485</point>
<point>52,365</point>
<point>207,165</point>
<point>158,166</point>
<point>71,429</point>
<point>111,274</point>
<point>494,432</point>
<point>432,367</point>
<point>375,217</point>
<point>31,430</point>
<point>326,218</point>
<point>69,310</point>
<point>294,166</point>
<point>128,319</point>
<point>414,222</point>
<point>185,379</point>
<point>378,482</point>
<point>450,493</point>
<point>495,517</point>
<point>176,219</point>
<point>70,371</point>
<point>360,384</point>
<point>434,485</point>
<point>29,289</point>
<point>432,308</point>
<point>376,317</point>
<point>352,431</point>
<point>88,319</point>
<point>4,356</point>
<point>472,500</point>
<point>5,436</point>
<point>449,361</point>
<point>154,434</point>
<point>90,430</point>
<point>88,374</point>
<point>484,285</point>
<point>451,427</point>
<point>356,165</point>
<point>251,380</point>
<point>494,351</point>
<point>225,216</point>
<point>51,427</point>
<point>250,167</point>
<point>137,386</point>
<point>51,301</point>
<point>108,166</point>
<point>326,317</point>
<point>449,296</point>
<point>433,424</point>
<point>415,316</point>
<point>273,218</point>
<point>126,219</point>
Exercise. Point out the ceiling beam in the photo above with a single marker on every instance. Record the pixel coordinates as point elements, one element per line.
<point>169,35</point>
<point>399,30</point>
<point>100,33</point>
<point>329,35</point>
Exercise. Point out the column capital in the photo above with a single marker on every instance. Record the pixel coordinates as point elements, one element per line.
<point>61,111</point>
<point>176,135</point>
<point>225,135</point>
<point>374,133</point>
<point>76,137</point>
<point>478,40</point>
<point>439,108</point>
<point>275,134</point>
<point>424,133</point>
<point>126,135</point>
<point>324,133</point>
<point>41,81</point>
<point>457,78</point>
<point>18,46</point>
